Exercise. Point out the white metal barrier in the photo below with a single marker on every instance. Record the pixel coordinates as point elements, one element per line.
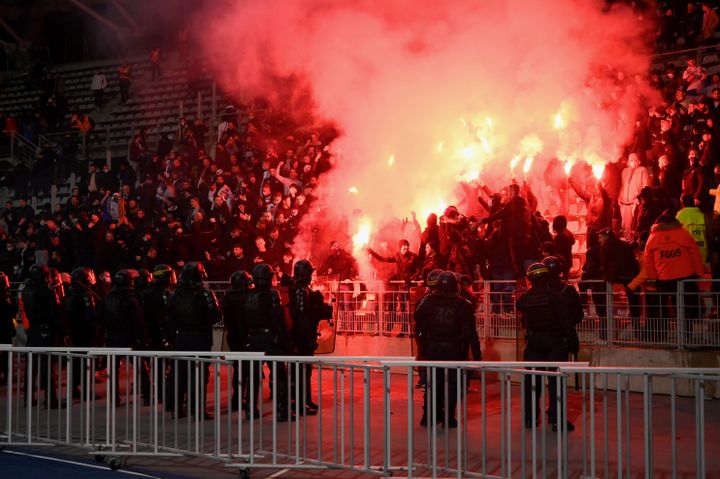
<point>685,317</point>
<point>369,414</point>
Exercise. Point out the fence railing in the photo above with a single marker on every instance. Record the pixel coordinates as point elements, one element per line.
<point>472,419</point>
<point>22,150</point>
<point>685,317</point>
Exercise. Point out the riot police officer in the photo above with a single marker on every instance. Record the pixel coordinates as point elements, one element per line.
<point>431,281</point>
<point>267,332</point>
<point>572,299</point>
<point>445,327</point>
<point>82,307</point>
<point>546,319</point>
<point>123,319</point>
<point>192,312</point>
<point>240,284</point>
<point>307,309</point>
<point>45,325</point>
<point>8,310</point>
<point>155,300</point>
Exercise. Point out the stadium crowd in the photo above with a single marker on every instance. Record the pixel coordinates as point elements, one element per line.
<point>242,203</point>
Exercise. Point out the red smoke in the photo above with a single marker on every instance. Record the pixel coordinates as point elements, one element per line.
<point>430,92</point>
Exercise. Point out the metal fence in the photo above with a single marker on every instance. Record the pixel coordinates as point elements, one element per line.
<point>687,316</point>
<point>480,419</point>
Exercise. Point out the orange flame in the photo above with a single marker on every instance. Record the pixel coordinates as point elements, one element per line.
<point>362,237</point>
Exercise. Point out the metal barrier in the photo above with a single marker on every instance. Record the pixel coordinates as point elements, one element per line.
<point>481,419</point>
<point>673,319</point>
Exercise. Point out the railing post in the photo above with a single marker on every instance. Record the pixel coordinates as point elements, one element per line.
<point>108,159</point>
<point>199,105</point>
<point>33,202</point>
<point>485,309</point>
<point>680,316</point>
<point>381,309</point>
<point>609,321</point>
<point>73,180</point>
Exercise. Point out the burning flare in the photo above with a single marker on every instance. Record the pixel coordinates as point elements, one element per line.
<point>362,237</point>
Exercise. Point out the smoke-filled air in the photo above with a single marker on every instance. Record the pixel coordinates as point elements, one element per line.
<point>430,94</point>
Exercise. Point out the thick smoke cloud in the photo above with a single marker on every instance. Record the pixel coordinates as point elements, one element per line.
<point>429,92</point>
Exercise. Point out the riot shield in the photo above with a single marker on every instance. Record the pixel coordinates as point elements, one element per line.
<point>327,328</point>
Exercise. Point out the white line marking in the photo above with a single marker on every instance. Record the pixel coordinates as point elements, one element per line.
<point>278,474</point>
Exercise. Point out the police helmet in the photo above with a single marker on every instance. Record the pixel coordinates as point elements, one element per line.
<point>553,264</point>
<point>84,276</point>
<point>164,273</point>
<point>124,279</point>
<point>432,278</point>
<point>240,280</point>
<point>537,272</point>
<point>4,282</point>
<point>39,274</point>
<point>262,274</point>
<point>193,273</point>
<point>303,270</point>
<point>447,284</point>
<point>144,278</point>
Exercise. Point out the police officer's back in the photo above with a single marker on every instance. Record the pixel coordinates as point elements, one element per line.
<point>41,308</point>
<point>83,307</point>
<point>193,310</point>
<point>240,285</point>
<point>571,297</point>
<point>123,313</point>
<point>307,309</point>
<point>445,327</point>
<point>263,315</point>
<point>155,301</point>
<point>548,329</point>
<point>45,326</point>
<point>445,323</point>
<point>264,318</point>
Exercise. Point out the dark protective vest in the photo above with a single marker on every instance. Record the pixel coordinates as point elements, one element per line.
<point>122,313</point>
<point>264,321</point>
<point>441,323</point>
<point>82,315</point>
<point>539,306</point>
<point>304,319</point>
<point>41,309</point>
<point>232,309</point>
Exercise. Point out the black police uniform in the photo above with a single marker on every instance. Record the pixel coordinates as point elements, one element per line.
<point>155,299</point>
<point>192,312</point>
<point>123,322</point>
<point>307,309</point>
<point>547,323</point>
<point>8,311</point>
<point>264,321</point>
<point>45,319</point>
<point>445,326</point>
<point>83,314</point>
<point>237,334</point>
